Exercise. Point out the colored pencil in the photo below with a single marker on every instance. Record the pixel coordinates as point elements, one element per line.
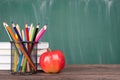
<point>19,63</point>
<point>19,57</point>
<point>8,34</point>
<point>23,35</point>
<point>31,34</point>
<point>15,61</point>
<point>27,37</point>
<point>28,47</point>
<point>24,59</point>
<point>42,31</point>
<point>30,29</point>
<point>18,29</point>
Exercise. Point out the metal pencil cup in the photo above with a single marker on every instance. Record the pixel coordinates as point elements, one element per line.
<point>19,62</point>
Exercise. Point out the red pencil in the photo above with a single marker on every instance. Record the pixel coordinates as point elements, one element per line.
<point>28,44</point>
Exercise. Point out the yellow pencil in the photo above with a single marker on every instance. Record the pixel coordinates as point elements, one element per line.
<point>15,61</point>
<point>31,34</point>
<point>15,57</point>
<point>31,26</point>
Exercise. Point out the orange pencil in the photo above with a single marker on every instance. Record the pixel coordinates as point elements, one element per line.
<point>20,46</point>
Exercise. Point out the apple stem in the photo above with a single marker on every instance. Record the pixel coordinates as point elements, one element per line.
<point>49,49</point>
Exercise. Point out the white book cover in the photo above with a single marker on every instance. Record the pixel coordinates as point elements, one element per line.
<point>7,45</point>
<point>5,66</point>
<point>43,45</point>
<point>6,57</point>
<point>7,52</point>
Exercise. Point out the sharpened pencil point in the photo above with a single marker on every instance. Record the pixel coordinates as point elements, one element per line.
<point>26,25</point>
<point>45,27</point>
<point>37,26</point>
<point>31,25</point>
<point>13,25</point>
<point>5,24</point>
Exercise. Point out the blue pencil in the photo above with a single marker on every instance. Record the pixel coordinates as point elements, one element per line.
<point>20,61</point>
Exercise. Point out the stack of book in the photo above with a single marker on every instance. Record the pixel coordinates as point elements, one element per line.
<point>5,54</point>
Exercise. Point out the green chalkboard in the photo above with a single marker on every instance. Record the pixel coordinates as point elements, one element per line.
<point>87,31</point>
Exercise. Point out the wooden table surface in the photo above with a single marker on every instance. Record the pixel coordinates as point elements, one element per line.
<point>72,72</point>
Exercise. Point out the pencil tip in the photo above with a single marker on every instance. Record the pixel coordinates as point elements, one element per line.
<point>26,25</point>
<point>13,25</point>
<point>31,25</point>
<point>4,23</point>
<point>38,25</point>
<point>45,27</point>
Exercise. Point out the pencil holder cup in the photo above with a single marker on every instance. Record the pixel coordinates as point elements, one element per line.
<point>23,58</point>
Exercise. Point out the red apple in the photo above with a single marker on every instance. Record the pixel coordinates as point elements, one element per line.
<point>52,61</point>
